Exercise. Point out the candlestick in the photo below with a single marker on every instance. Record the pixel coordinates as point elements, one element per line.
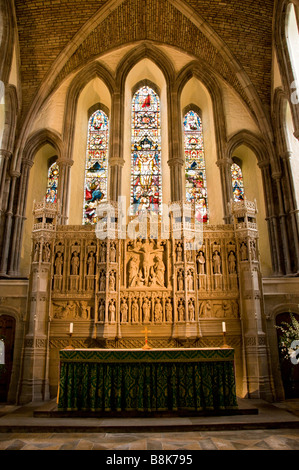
<point>224,345</point>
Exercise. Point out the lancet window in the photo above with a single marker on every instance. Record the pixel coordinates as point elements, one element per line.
<point>52,184</point>
<point>146,178</point>
<point>195,167</point>
<point>237,182</point>
<point>96,168</point>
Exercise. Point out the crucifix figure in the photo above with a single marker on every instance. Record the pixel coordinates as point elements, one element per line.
<point>146,331</point>
<point>145,249</point>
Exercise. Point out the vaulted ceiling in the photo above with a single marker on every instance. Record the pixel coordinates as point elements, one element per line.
<point>57,37</point>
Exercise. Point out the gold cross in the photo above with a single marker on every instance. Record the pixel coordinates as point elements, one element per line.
<point>146,331</point>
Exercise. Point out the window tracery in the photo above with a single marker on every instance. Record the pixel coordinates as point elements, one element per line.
<point>195,167</point>
<point>96,168</point>
<point>146,179</point>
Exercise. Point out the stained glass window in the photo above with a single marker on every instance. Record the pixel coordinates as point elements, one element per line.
<point>195,168</point>
<point>237,182</point>
<point>96,169</point>
<point>53,175</point>
<point>146,187</point>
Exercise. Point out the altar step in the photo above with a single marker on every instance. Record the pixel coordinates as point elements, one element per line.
<point>45,418</point>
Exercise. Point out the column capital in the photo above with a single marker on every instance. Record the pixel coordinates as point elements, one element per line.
<point>223,162</point>
<point>65,162</point>
<point>5,153</point>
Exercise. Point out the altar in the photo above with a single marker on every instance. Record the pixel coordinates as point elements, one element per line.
<point>154,380</point>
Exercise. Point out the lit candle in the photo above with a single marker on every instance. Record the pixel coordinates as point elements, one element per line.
<point>71,327</point>
<point>223,327</point>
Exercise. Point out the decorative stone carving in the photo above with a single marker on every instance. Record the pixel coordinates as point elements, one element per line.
<point>181,311</point>
<point>180,280</point>
<point>124,310</point>
<point>112,310</point>
<point>58,263</point>
<point>101,310</point>
<point>243,252</point>
<point>46,253</point>
<point>158,311</point>
<point>112,253</point>
<point>75,263</point>
<point>232,263</point>
<point>201,263</point>
<point>102,285</point>
<point>179,252</point>
<point>90,264</point>
<point>135,311</point>
<point>191,310</point>
<point>146,310</point>
<point>216,263</point>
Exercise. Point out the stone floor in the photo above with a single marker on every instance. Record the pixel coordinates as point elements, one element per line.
<point>274,427</point>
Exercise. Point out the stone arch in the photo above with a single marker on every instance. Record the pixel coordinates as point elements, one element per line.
<point>288,77</point>
<point>6,39</point>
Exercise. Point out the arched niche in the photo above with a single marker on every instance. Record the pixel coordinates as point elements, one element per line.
<point>145,72</point>
<point>195,94</point>
<point>37,187</point>
<point>94,95</point>
<point>253,187</point>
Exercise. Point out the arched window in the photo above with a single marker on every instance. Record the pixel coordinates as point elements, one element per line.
<point>237,182</point>
<point>52,185</point>
<point>146,187</point>
<point>96,168</point>
<point>195,167</point>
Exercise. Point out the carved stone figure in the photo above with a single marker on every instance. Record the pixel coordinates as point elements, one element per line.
<point>201,261</point>
<point>179,252</point>
<point>103,252</point>
<point>243,252</point>
<point>190,281</point>
<point>181,311</point>
<point>157,273</point>
<point>145,249</point>
<point>36,252</point>
<point>111,309</point>
<point>180,281</point>
<point>253,250</point>
<point>124,311</point>
<point>216,263</point>
<point>191,310</point>
<point>58,264</point>
<point>135,311</point>
<point>102,311</point>
<point>133,271</point>
<point>102,281</point>
<point>232,263</point>
<point>84,310</point>
<point>158,311</point>
<point>168,308</point>
<point>146,308</point>
<point>112,253</point>
<point>46,253</point>
<point>112,281</point>
<point>75,262</point>
<point>90,264</point>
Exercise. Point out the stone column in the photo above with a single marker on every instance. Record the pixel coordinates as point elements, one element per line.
<point>19,218</point>
<point>8,225</point>
<point>271,219</point>
<point>176,154</point>
<point>4,159</point>
<point>282,219</point>
<point>116,161</point>
<point>64,187</point>
<point>224,165</point>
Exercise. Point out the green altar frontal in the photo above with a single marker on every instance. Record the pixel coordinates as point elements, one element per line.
<point>107,380</point>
